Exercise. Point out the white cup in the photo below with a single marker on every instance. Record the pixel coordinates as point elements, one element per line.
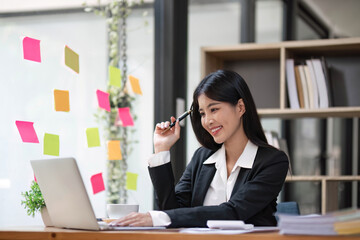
<point>120,210</point>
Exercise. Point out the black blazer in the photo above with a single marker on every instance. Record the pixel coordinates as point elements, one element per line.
<point>252,200</point>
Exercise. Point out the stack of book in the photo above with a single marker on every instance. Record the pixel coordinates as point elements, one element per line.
<point>345,222</point>
<point>308,84</point>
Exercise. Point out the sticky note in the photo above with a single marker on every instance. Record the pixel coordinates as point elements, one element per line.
<point>92,135</point>
<point>27,131</point>
<point>71,59</point>
<point>103,100</point>
<point>135,85</point>
<point>35,178</point>
<point>31,49</point>
<point>97,183</point>
<point>125,117</point>
<point>62,102</point>
<point>51,144</point>
<point>115,76</point>
<point>114,150</point>
<point>131,180</point>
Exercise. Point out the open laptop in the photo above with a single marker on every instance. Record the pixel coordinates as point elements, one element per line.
<point>66,198</point>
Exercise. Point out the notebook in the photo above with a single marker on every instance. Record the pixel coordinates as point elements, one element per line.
<point>66,198</point>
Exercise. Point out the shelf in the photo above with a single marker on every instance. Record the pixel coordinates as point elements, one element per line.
<point>263,66</point>
<point>322,178</point>
<point>345,112</point>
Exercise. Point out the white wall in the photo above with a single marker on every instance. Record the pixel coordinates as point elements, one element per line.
<point>27,95</point>
<point>209,24</point>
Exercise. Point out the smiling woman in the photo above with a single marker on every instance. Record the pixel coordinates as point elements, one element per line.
<point>235,175</point>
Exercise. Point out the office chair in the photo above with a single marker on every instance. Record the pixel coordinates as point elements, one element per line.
<point>291,208</point>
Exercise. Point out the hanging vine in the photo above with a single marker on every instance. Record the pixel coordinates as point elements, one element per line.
<point>116,13</point>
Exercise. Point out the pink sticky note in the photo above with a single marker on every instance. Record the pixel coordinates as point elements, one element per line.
<point>97,183</point>
<point>103,99</point>
<point>27,131</point>
<point>31,49</point>
<point>35,178</point>
<point>125,117</point>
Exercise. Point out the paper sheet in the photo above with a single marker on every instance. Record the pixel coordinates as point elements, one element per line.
<point>27,131</point>
<point>51,144</point>
<point>114,150</point>
<point>103,100</point>
<point>93,138</point>
<point>125,117</point>
<point>135,85</point>
<point>71,59</point>
<point>62,101</point>
<point>131,181</point>
<point>115,76</point>
<point>31,49</point>
<point>97,183</point>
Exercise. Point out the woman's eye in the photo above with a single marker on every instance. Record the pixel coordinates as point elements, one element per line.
<point>202,114</point>
<point>214,109</point>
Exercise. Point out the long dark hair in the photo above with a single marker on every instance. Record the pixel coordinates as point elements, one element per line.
<point>227,86</point>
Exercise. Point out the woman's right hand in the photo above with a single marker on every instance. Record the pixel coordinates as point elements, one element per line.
<point>163,141</point>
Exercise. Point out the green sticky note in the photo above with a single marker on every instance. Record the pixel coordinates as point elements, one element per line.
<point>51,144</point>
<point>131,180</point>
<point>71,59</point>
<point>115,76</point>
<point>92,135</point>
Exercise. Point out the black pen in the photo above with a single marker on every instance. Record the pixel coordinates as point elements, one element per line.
<point>184,115</point>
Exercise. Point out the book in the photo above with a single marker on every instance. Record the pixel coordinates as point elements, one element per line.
<point>304,86</point>
<point>310,86</point>
<point>311,75</point>
<point>327,80</point>
<point>299,87</point>
<point>321,83</point>
<point>335,223</point>
<point>291,84</point>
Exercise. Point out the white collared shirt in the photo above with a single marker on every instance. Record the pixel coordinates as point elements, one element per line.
<point>221,186</point>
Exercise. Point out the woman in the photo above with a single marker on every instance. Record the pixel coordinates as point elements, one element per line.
<point>235,175</point>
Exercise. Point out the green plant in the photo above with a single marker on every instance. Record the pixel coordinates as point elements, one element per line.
<point>34,200</point>
<point>116,13</point>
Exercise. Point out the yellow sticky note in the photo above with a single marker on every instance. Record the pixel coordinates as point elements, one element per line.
<point>92,135</point>
<point>131,180</point>
<point>135,84</point>
<point>71,59</point>
<point>51,144</point>
<point>114,150</point>
<point>115,76</point>
<point>62,102</point>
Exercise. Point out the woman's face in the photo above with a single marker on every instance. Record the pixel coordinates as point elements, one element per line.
<point>220,119</point>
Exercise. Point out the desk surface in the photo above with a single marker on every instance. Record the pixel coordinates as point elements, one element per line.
<point>42,233</point>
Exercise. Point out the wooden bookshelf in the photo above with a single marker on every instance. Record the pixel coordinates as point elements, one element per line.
<point>263,68</point>
<point>329,188</point>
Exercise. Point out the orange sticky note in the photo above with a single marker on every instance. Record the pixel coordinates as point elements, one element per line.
<point>135,84</point>
<point>62,102</point>
<point>97,183</point>
<point>71,59</point>
<point>114,150</point>
<point>31,49</point>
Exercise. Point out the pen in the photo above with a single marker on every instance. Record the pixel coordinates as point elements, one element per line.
<point>184,115</point>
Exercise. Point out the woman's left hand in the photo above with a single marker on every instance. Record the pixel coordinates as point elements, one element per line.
<point>134,220</point>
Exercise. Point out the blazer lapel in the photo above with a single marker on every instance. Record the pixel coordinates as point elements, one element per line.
<point>202,184</point>
<point>243,175</point>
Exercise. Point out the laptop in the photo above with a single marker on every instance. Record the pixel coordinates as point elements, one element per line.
<point>66,198</point>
